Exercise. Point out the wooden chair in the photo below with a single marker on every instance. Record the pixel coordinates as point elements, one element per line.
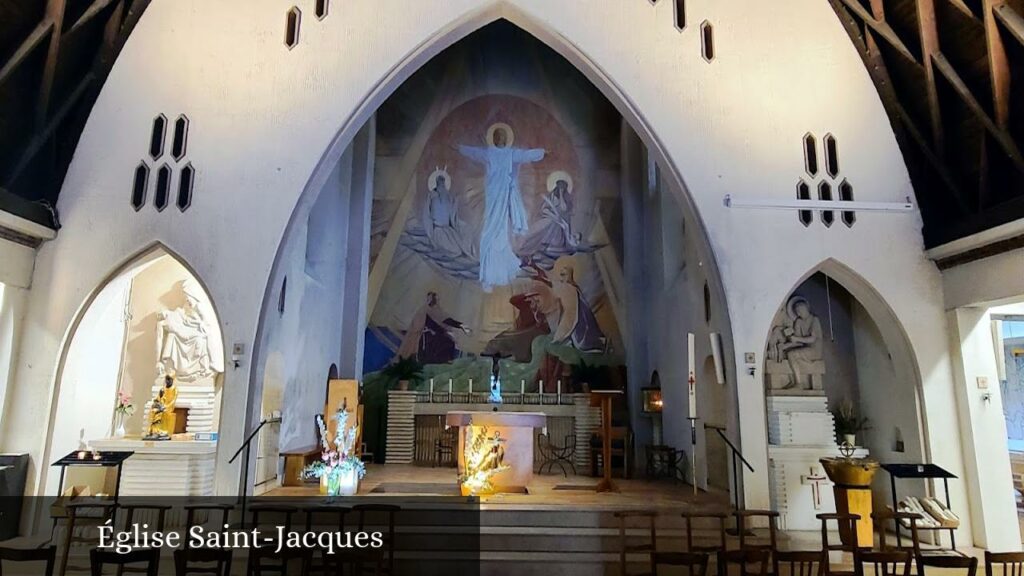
<point>963,565</point>
<point>847,524</point>
<point>695,562</point>
<point>47,555</point>
<point>259,560</point>
<point>622,443</point>
<point>335,519</point>
<point>216,561</point>
<point>1012,563</point>
<point>99,558</point>
<point>650,547</point>
<point>801,563</point>
<point>689,518</point>
<point>382,558</point>
<point>83,513</point>
<point>744,558</point>
<point>129,518</point>
<point>742,519</point>
<point>884,519</point>
<point>444,447</point>
<point>267,509</point>
<point>194,509</point>
<point>553,455</point>
<point>883,563</point>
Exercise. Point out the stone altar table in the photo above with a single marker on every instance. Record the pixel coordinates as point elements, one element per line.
<point>516,431</point>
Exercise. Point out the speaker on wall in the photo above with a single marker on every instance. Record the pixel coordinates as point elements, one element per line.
<point>716,352</point>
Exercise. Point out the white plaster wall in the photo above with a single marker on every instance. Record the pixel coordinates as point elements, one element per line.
<point>16,263</point>
<point>991,279</point>
<point>262,117</point>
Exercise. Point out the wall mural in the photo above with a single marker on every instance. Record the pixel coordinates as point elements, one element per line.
<point>498,257</point>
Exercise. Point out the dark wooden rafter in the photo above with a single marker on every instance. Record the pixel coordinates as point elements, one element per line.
<point>927,73</point>
<point>63,94</point>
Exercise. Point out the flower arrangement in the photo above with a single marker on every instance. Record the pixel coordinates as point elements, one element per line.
<point>485,457</point>
<point>338,464</point>
<point>124,407</point>
<point>848,422</point>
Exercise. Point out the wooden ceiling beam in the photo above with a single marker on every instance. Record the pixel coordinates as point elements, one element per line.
<point>929,33</point>
<point>882,29</point>
<point>965,94</point>
<point>40,33</point>
<point>1011,19</point>
<point>91,12</point>
<point>55,14</point>
<point>937,165</point>
<point>999,66</point>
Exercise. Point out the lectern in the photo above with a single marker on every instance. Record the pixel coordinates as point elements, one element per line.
<point>603,398</point>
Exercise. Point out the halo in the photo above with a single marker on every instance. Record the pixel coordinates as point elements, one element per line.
<point>432,179</point>
<point>508,131</point>
<point>791,305</point>
<point>557,175</point>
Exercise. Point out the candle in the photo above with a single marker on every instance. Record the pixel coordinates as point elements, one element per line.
<point>96,456</point>
<point>558,388</point>
<point>540,387</point>
<point>470,385</point>
<point>431,388</point>
<point>522,387</point>
<point>81,454</point>
<point>449,385</point>
<point>691,380</point>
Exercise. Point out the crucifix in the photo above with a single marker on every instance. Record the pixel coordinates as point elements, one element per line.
<point>815,479</point>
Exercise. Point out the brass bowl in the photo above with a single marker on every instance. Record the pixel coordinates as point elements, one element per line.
<point>850,471</point>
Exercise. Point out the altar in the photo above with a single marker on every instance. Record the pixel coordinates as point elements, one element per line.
<point>164,468</point>
<point>495,449</point>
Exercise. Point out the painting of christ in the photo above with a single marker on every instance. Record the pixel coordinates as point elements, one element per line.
<point>503,205</point>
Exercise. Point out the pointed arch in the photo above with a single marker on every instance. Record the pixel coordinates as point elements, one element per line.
<point>126,269</point>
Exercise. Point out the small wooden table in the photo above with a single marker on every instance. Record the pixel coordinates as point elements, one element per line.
<point>603,398</point>
<point>295,461</point>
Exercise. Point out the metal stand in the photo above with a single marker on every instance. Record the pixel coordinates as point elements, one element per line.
<point>245,461</point>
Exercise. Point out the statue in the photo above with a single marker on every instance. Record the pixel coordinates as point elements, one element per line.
<point>496,357</point>
<point>795,349</point>
<point>182,339</point>
<point>161,413</point>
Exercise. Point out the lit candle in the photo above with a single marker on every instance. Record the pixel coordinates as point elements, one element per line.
<point>81,454</point>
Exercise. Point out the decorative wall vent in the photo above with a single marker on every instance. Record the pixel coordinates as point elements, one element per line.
<point>828,188</point>
<point>707,41</point>
<point>321,8</point>
<point>164,179</point>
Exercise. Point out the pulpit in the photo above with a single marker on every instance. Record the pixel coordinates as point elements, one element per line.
<point>603,398</point>
<point>495,452</point>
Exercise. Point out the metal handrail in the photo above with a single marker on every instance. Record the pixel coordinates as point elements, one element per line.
<point>721,433</point>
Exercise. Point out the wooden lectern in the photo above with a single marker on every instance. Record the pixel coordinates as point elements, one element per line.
<point>603,398</point>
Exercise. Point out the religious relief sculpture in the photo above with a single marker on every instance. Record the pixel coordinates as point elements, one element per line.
<point>794,355</point>
<point>161,413</point>
<point>504,207</point>
<point>182,339</point>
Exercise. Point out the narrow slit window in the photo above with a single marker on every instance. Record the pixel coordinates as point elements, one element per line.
<point>849,217</point>
<point>831,155</point>
<point>828,217</point>
<point>282,298</point>
<point>321,8</point>
<point>680,14</point>
<point>180,143</point>
<point>707,41</point>
<point>157,137</point>
<point>185,182</point>
<point>811,155</point>
<point>163,188</point>
<point>803,192</point>
<point>291,30</point>
<point>139,185</point>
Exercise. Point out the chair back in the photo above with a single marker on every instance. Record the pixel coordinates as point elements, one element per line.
<point>647,518</point>
<point>718,517</point>
<point>883,563</point>
<point>186,557</point>
<point>743,516</point>
<point>1012,563</point>
<point>745,559</point>
<point>964,565</point>
<point>99,558</point>
<point>47,555</point>
<point>389,511</point>
<point>888,518</point>
<point>695,562</point>
<point>801,563</point>
<point>286,556</point>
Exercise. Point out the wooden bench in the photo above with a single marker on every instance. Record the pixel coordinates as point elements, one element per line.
<point>295,460</point>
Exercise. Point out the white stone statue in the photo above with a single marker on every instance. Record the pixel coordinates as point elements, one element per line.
<point>182,339</point>
<point>794,355</point>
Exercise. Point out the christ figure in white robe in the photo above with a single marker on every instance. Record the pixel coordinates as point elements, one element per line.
<point>503,205</point>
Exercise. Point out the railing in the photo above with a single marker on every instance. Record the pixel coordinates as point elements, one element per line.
<point>735,454</point>
<point>529,398</point>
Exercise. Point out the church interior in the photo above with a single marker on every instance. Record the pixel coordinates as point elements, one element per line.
<point>513,286</point>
